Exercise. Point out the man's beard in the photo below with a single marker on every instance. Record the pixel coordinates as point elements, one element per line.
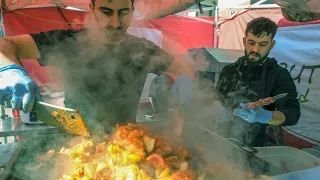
<point>259,60</point>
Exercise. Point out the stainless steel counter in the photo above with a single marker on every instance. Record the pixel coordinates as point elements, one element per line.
<point>14,126</point>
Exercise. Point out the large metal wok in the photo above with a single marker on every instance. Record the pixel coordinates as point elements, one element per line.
<point>208,150</point>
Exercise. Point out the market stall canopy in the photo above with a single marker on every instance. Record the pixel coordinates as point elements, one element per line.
<point>310,6</point>
<point>147,8</point>
<point>294,10</point>
<point>300,10</point>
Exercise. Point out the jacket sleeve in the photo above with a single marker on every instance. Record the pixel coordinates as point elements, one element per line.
<point>47,41</point>
<point>222,86</point>
<point>160,60</point>
<point>288,105</point>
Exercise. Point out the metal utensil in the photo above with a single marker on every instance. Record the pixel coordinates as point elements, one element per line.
<point>198,2</point>
<point>266,101</point>
<point>279,96</point>
<point>66,119</point>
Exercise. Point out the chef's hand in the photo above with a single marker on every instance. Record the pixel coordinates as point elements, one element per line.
<point>17,89</point>
<point>253,115</point>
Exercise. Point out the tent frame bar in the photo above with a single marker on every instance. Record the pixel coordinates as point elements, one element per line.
<point>260,6</point>
<point>43,6</point>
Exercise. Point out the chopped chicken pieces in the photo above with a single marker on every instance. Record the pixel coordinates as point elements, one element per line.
<point>149,143</point>
<point>132,154</point>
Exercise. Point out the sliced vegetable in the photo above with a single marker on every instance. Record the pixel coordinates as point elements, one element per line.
<point>149,143</point>
<point>184,166</point>
<point>165,173</point>
<point>156,160</point>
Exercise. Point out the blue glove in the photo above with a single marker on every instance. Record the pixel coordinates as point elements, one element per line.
<point>253,115</point>
<point>182,89</point>
<point>17,89</point>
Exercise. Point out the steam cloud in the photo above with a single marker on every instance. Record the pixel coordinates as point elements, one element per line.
<point>91,72</point>
<point>215,116</point>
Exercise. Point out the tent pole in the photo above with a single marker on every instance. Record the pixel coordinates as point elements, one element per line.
<point>3,5</point>
<point>216,19</point>
<point>2,32</point>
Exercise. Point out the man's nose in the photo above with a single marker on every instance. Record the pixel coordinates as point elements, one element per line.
<point>256,48</point>
<point>114,21</point>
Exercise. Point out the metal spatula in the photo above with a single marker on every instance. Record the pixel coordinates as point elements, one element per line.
<point>66,119</point>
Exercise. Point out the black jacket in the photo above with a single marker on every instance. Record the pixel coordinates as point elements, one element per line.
<point>235,79</point>
<point>241,82</point>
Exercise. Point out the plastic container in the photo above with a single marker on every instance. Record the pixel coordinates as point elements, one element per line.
<point>288,158</point>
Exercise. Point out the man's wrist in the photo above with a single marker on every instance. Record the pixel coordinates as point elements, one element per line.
<point>266,117</point>
<point>278,118</point>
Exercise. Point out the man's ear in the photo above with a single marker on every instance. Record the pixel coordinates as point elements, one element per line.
<point>91,7</point>
<point>244,41</point>
<point>272,44</point>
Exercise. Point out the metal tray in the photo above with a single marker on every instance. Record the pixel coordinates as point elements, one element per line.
<point>216,150</point>
<point>288,158</point>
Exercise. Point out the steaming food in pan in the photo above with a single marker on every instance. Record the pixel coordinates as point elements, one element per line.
<point>133,152</point>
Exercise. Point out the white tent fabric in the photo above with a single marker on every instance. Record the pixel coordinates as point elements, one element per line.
<point>297,50</point>
<point>147,8</point>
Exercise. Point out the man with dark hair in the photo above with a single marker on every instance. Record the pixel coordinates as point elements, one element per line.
<point>104,67</point>
<point>256,76</point>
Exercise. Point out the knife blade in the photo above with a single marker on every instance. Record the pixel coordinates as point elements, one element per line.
<point>279,96</point>
<point>65,119</point>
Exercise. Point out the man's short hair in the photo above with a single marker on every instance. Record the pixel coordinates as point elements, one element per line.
<point>94,2</point>
<point>259,25</point>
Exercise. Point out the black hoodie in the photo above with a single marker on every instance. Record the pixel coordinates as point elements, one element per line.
<point>235,86</point>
